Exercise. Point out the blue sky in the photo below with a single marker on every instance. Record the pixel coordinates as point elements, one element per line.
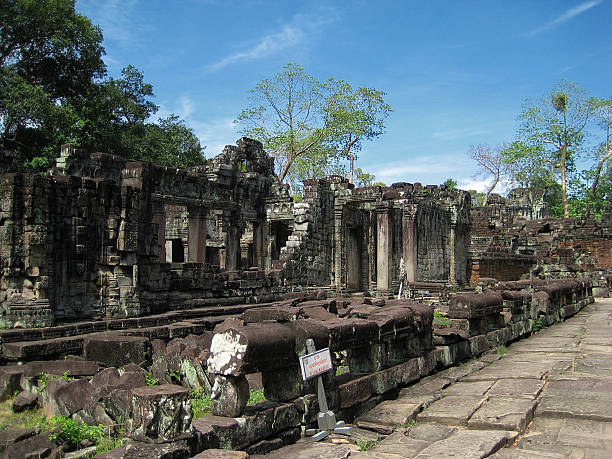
<point>455,72</point>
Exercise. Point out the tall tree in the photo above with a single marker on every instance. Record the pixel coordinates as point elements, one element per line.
<point>603,153</point>
<point>555,127</point>
<point>528,166</point>
<point>302,120</point>
<point>289,115</point>
<point>53,89</point>
<point>356,115</point>
<point>49,56</point>
<point>170,142</point>
<point>491,165</point>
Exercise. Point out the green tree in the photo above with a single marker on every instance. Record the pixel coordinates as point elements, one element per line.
<point>49,56</point>
<point>114,114</point>
<point>53,91</point>
<point>170,142</point>
<point>450,183</point>
<point>528,167</point>
<point>553,128</point>
<point>363,178</point>
<point>355,114</point>
<point>289,115</point>
<point>303,121</point>
<point>603,153</point>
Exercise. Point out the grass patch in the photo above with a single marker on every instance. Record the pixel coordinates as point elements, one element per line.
<point>501,350</point>
<point>537,326</point>
<point>74,432</point>
<point>365,445</point>
<point>440,318</point>
<point>200,403</point>
<point>28,419</point>
<point>256,396</point>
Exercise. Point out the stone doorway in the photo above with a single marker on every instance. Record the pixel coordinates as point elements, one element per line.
<point>354,249</point>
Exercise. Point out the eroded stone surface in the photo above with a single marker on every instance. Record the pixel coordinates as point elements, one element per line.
<point>452,410</point>
<point>503,413</point>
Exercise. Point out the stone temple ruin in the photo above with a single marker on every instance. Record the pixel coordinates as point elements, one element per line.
<point>135,271</point>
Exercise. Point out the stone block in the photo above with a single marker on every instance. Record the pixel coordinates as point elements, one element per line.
<point>64,398</point>
<point>503,413</point>
<point>229,395</point>
<point>10,380</point>
<point>115,349</point>
<point>452,410</point>
<point>257,423</point>
<point>161,414</point>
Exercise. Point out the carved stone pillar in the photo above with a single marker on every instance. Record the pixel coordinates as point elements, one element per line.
<point>258,241</point>
<point>159,218</point>
<point>337,248</point>
<point>383,248</point>
<point>409,242</point>
<point>452,276</point>
<point>232,245</point>
<point>196,236</point>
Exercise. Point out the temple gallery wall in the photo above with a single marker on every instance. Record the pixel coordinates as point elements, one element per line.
<point>143,284</point>
<point>101,237</point>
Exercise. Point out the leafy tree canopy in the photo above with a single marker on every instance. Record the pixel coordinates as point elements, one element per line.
<point>54,90</point>
<point>304,122</point>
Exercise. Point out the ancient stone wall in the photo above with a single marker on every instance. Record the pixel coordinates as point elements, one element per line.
<point>507,244</point>
<point>76,247</point>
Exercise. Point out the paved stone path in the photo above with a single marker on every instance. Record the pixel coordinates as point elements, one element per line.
<point>549,396</point>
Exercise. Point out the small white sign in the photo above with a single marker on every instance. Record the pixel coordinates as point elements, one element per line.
<point>316,363</point>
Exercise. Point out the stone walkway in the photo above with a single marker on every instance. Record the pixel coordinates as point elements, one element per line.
<point>549,396</point>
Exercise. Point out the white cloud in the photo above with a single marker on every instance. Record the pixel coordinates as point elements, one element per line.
<point>117,20</point>
<point>425,169</point>
<point>471,184</point>
<point>454,134</point>
<point>564,17</point>
<point>269,44</point>
<point>297,32</point>
<point>214,134</point>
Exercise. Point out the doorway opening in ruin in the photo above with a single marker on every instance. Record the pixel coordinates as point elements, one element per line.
<point>178,252</point>
<point>212,255</point>
<point>247,247</point>
<point>354,246</point>
<point>280,236</point>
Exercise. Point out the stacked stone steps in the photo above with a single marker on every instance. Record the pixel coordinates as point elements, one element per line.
<point>427,292</point>
<point>67,339</point>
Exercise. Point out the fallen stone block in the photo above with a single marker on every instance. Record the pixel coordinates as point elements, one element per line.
<point>64,398</point>
<point>33,447</point>
<point>10,381</point>
<point>160,414</point>
<point>24,401</point>
<point>115,349</point>
<point>250,349</point>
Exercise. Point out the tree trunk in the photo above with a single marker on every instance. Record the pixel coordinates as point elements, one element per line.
<point>587,212</point>
<point>564,182</point>
<point>351,157</point>
<point>490,190</point>
<point>352,167</point>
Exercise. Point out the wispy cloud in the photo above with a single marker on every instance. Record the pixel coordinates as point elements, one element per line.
<point>564,17</point>
<point>454,134</point>
<point>426,169</point>
<point>214,133</point>
<point>296,32</point>
<point>118,19</point>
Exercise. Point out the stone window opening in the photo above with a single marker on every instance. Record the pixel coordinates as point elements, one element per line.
<point>177,250</point>
<point>280,235</point>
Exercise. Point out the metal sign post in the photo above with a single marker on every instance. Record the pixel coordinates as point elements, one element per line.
<point>314,365</point>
